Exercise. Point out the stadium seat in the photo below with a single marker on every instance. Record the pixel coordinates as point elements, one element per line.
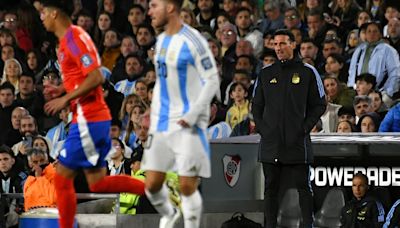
<point>329,215</point>
<point>289,214</point>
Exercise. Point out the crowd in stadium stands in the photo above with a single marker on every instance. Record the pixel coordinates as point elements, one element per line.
<point>354,45</point>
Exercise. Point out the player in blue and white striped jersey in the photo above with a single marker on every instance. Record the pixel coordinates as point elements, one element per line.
<point>187,80</point>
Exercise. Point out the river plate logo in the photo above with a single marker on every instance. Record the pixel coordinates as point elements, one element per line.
<point>231,169</point>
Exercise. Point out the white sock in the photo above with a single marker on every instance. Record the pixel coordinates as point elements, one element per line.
<point>191,209</point>
<point>160,201</point>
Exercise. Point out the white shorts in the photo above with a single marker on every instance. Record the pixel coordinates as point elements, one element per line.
<point>185,150</point>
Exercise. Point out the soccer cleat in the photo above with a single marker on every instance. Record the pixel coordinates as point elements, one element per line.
<point>170,221</point>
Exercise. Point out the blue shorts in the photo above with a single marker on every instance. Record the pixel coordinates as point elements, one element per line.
<point>86,146</point>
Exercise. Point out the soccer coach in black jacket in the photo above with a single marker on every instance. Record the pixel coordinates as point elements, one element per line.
<point>289,100</point>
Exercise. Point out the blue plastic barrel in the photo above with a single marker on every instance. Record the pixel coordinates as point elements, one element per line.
<point>41,218</point>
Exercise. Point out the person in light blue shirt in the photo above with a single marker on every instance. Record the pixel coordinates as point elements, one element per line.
<point>379,59</point>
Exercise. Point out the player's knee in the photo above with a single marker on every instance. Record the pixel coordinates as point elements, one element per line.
<point>187,188</point>
<point>152,185</point>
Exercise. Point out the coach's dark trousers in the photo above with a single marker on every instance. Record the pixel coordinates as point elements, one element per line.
<point>299,176</point>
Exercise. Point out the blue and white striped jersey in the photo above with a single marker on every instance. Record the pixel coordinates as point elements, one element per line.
<point>125,87</point>
<point>187,80</point>
<point>219,131</point>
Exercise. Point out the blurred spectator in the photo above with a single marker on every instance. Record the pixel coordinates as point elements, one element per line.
<point>221,18</point>
<point>230,7</point>
<point>391,12</point>
<point>103,23</point>
<point>134,69</point>
<point>217,127</point>
<point>13,135</point>
<point>247,31</point>
<point>11,182</point>
<point>331,46</point>
<point>376,10</point>
<point>85,21</point>
<point>116,129</point>
<point>365,83</point>
<point>309,49</point>
<point>240,76</point>
<point>43,144</point>
<point>362,105</point>
<point>11,73</point>
<point>39,189</point>
<point>127,107</point>
<point>35,63</point>
<point>150,77</point>
<point>22,35</point>
<point>215,48</point>
<point>136,16</point>
<point>362,210</point>
<point>141,90</point>
<point>268,57</point>
<point>377,104</point>
<point>391,122</point>
<point>12,50</point>
<point>145,38</point>
<point>335,66</point>
<point>244,47</point>
<point>363,17</point>
<point>316,26</point>
<point>7,105</point>
<point>110,48</point>
<point>188,17</point>
<point>369,122</point>
<point>228,41</point>
<point>344,126</point>
<point>338,93</point>
<point>393,32</point>
<point>118,18</point>
<point>292,20</point>
<point>118,164</point>
<point>273,17</point>
<point>206,15</point>
<point>28,129</point>
<point>352,42</point>
<point>379,59</point>
<point>29,98</point>
<point>347,114</point>
<point>346,11</point>
<point>128,46</point>
<point>129,136</point>
<point>239,109</point>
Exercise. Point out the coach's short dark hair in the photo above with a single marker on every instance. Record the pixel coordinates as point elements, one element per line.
<point>285,32</point>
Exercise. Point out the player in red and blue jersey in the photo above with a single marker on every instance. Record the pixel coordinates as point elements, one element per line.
<point>88,142</point>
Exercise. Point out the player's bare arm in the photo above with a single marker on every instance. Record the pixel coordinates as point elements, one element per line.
<point>93,80</point>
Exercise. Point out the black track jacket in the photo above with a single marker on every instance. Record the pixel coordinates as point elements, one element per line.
<point>289,100</point>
